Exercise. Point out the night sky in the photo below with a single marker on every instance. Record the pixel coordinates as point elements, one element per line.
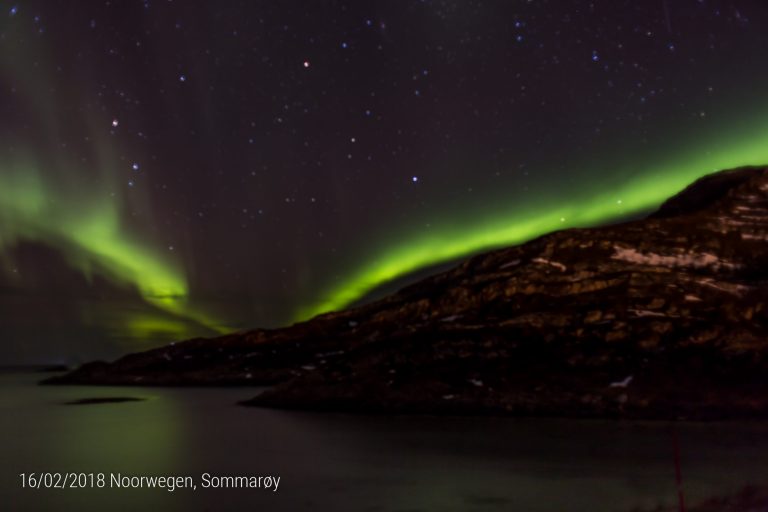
<point>173,168</point>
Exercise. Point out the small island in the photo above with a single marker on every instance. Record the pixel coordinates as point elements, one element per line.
<point>104,400</point>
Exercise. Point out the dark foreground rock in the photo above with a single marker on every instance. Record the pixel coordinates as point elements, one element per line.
<point>663,317</point>
<point>749,499</point>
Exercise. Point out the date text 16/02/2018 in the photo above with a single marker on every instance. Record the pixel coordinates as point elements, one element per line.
<point>170,483</point>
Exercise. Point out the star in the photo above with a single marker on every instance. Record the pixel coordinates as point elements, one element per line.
<point>252,130</point>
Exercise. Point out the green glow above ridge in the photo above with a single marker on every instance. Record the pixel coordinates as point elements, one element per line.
<point>83,223</point>
<point>76,203</point>
<point>635,194</point>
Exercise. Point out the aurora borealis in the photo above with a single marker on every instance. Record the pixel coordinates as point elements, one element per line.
<point>247,164</point>
<point>75,207</point>
<point>88,233</point>
<point>637,196</point>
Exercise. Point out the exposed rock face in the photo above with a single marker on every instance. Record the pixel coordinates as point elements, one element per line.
<point>664,317</point>
<point>748,499</point>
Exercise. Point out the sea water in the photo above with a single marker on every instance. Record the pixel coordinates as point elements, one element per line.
<point>174,437</point>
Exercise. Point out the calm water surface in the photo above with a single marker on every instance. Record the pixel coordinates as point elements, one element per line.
<point>339,462</point>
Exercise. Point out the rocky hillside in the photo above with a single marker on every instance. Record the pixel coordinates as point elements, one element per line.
<point>663,317</point>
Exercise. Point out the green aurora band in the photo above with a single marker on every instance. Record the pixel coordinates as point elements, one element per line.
<point>77,205</point>
<point>85,226</point>
<point>638,193</point>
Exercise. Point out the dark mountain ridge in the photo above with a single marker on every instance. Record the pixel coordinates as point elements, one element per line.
<point>663,317</point>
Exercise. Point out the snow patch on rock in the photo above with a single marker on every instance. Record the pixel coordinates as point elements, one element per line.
<point>512,263</point>
<point>551,263</point>
<point>621,383</point>
<point>689,260</point>
<point>645,312</point>
<point>734,289</point>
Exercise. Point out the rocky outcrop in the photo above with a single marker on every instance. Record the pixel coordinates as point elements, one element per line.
<point>664,317</point>
<point>749,499</point>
